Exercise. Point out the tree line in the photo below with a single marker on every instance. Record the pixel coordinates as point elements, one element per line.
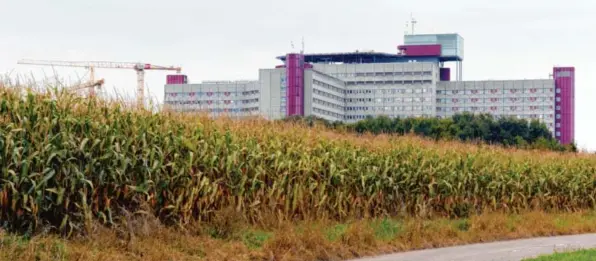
<point>467,127</point>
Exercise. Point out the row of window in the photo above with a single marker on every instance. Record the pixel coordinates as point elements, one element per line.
<point>393,116</point>
<point>328,95</point>
<point>326,112</point>
<point>210,102</point>
<point>355,117</point>
<point>404,115</point>
<point>389,108</point>
<point>211,94</point>
<point>250,92</point>
<point>370,74</point>
<point>493,109</point>
<point>493,100</point>
<point>329,87</point>
<point>327,104</point>
<point>388,91</point>
<point>417,73</point>
<point>390,100</point>
<point>221,110</point>
<point>283,99</point>
<point>389,82</point>
<point>406,99</point>
<point>495,91</point>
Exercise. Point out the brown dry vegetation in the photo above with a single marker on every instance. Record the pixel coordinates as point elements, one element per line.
<point>316,240</point>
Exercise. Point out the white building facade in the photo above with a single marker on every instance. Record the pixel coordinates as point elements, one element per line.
<point>522,99</point>
<point>349,87</point>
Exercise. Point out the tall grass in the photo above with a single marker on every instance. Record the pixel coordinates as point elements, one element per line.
<point>67,161</point>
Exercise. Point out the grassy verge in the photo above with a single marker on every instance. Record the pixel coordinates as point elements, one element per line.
<point>148,240</point>
<point>582,255</point>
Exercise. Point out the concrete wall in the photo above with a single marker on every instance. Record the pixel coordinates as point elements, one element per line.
<point>273,101</point>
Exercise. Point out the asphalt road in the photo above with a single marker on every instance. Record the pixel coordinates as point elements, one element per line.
<point>514,250</point>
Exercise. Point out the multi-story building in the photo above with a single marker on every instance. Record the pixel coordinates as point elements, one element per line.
<point>411,83</point>
<point>524,99</point>
<point>238,98</point>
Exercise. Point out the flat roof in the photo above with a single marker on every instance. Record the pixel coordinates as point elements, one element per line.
<point>363,57</point>
<point>441,34</point>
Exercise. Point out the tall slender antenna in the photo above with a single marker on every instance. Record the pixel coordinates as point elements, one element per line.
<point>302,51</point>
<point>407,27</point>
<point>413,22</point>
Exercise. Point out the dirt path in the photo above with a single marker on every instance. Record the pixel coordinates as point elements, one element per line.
<point>514,250</point>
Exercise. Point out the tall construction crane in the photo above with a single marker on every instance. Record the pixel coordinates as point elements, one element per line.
<point>140,68</point>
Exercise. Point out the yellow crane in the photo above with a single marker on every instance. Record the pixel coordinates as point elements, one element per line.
<point>140,68</point>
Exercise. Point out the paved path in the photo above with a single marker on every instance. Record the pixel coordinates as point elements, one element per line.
<point>514,250</point>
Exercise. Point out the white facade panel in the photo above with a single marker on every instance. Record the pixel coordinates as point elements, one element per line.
<point>523,99</point>
<point>273,93</point>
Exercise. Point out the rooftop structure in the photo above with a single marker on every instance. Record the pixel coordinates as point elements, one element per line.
<point>361,57</point>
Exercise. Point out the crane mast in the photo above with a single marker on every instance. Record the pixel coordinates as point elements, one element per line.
<point>140,68</point>
<point>140,87</point>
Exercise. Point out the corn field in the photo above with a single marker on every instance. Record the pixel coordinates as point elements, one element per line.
<point>68,161</point>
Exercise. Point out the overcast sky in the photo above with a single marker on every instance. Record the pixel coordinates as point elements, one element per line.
<point>229,40</point>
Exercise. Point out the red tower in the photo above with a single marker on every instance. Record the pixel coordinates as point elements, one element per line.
<point>564,104</point>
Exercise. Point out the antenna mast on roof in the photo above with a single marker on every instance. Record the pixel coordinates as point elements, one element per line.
<point>413,22</point>
<point>302,51</point>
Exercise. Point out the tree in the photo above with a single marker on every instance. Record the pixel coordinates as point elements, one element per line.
<point>507,131</point>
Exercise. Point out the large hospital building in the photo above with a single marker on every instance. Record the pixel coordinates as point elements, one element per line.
<point>412,82</point>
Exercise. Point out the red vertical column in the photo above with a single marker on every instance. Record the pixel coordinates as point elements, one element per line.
<point>564,104</point>
<point>295,84</point>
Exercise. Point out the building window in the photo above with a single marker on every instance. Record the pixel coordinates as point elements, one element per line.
<point>563,74</point>
<point>558,99</point>
<point>558,125</point>
<point>558,90</point>
<point>558,116</point>
<point>558,134</point>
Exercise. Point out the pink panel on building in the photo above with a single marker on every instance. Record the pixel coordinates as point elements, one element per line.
<point>176,79</point>
<point>295,84</point>
<point>564,104</point>
<point>420,50</point>
<point>445,74</point>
